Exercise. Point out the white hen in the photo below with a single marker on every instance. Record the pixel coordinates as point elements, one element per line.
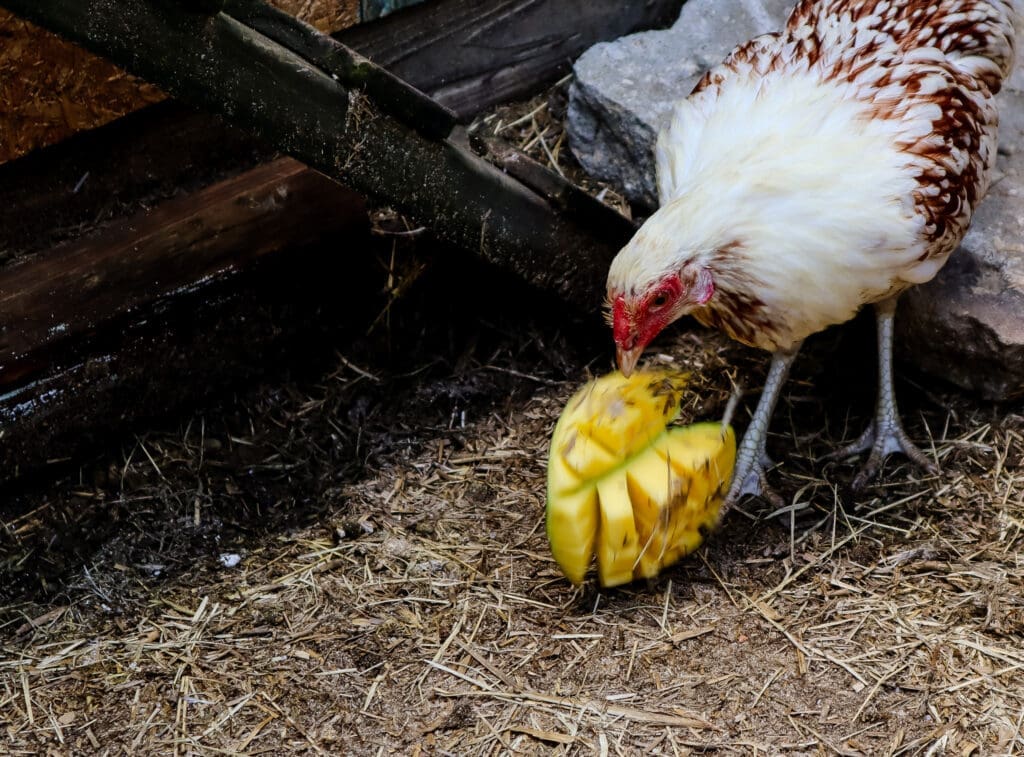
<point>817,170</point>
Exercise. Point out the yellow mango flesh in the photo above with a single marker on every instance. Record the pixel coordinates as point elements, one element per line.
<point>574,525</point>
<point>652,484</point>
<point>626,487</point>
<point>619,544</point>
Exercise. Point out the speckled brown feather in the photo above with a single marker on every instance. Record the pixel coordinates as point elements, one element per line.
<point>960,29</point>
<point>976,40</point>
<point>872,45</point>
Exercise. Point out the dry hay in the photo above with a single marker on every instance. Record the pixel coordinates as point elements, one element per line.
<point>536,128</point>
<point>394,593</point>
<point>418,610</point>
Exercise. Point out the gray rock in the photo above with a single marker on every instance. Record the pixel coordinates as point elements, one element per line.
<point>623,91</point>
<point>965,326</point>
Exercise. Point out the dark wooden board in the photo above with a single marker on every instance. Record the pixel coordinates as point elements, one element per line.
<point>390,94</point>
<point>281,314</point>
<point>156,254</point>
<point>472,54</point>
<point>132,164</point>
<point>171,147</point>
<point>98,369</point>
<point>203,291</point>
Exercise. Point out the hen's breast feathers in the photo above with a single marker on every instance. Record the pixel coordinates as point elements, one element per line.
<point>916,79</point>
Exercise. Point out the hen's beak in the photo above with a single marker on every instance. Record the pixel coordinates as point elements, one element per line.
<point>628,358</point>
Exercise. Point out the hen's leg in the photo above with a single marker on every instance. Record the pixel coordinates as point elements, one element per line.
<point>748,475</point>
<point>885,435</point>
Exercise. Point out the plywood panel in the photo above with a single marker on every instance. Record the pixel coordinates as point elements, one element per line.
<point>51,89</point>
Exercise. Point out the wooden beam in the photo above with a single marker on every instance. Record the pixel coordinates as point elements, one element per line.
<point>275,317</point>
<point>101,355</point>
<point>472,54</point>
<point>100,176</point>
<point>164,149</point>
<point>168,306</point>
<point>351,70</point>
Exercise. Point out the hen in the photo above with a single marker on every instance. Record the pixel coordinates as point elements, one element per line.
<point>817,170</point>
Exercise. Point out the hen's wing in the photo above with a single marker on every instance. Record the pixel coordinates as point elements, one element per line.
<point>929,68</point>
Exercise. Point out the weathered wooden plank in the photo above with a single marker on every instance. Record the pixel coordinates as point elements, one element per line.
<point>157,254</point>
<point>221,64</point>
<point>107,377</point>
<point>558,191</point>
<point>99,176</point>
<point>471,54</point>
<point>178,352</point>
<point>389,94</point>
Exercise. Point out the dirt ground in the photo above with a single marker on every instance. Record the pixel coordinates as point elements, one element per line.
<point>350,559</point>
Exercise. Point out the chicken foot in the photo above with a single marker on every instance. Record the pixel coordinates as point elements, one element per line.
<point>751,460</point>
<point>885,434</point>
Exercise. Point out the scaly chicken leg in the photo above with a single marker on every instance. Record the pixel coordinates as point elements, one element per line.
<point>885,435</point>
<point>751,459</point>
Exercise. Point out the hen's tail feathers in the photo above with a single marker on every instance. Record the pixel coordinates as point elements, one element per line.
<point>981,38</point>
<point>977,36</point>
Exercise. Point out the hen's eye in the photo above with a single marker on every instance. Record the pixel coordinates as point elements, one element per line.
<point>659,302</point>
